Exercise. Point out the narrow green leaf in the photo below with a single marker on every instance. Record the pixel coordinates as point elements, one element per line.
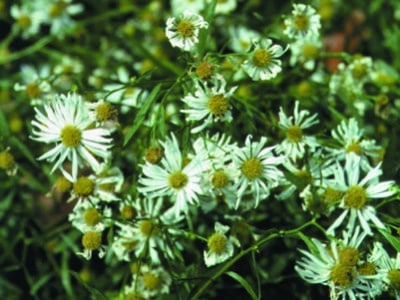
<point>137,122</point>
<point>94,293</point>
<point>5,131</point>
<point>244,283</point>
<point>24,150</point>
<point>203,35</point>
<point>40,283</point>
<point>308,242</point>
<point>65,275</point>
<point>394,241</point>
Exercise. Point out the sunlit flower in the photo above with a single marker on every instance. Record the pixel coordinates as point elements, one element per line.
<point>258,170</point>
<point>27,18</point>
<point>263,62</point>
<point>179,6</point>
<point>358,194</point>
<point>209,104</point>
<point>304,21</point>
<point>66,124</point>
<point>296,142</point>
<point>220,247</point>
<point>151,281</point>
<point>305,51</point>
<point>183,31</point>
<point>86,216</point>
<point>92,241</point>
<point>241,38</point>
<point>224,6</point>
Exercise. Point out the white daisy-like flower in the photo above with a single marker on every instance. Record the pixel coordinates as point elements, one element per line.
<point>179,6</point>
<point>224,6</point>
<point>27,19</point>
<point>296,143</point>
<point>66,124</point>
<point>151,282</point>
<point>351,140</point>
<point>171,178</point>
<point>86,216</point>
<point>183,31</point>
<point>104,114</point>
<point>305,51</point>
<point>304,21</point>
<point>220,247</point>
<point>241,38</point>
<point>92,241</point>
<point>263,62</point>
<point>209,104</point>
<point>389,269</point>
<point>336,265</point>
<point>357,195</point>
<point>258,170</point>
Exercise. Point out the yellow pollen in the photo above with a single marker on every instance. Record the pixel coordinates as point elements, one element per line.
<point>129,245</point>
<point>218,105</point>
<point>6,160</point>
<point>128,212</point>
<point>348,256</point>
<point>394,277</point>
<point>342,275</point>
<point>359,70</point>
<point>252,168</point>
<point>71,136</point>
<point>57,9</point>
<point>217,243</point>
<point>185,29</point>
<point>63,184</point>
<point>355,148</point>
<point>154,155</point>
<point>204,70</point>
<point>333,195</point>
<point>151,281</point>
<point>262,58</point>
<point>24,21</point>
<point>219,179</point>
<point>305,175</point>
<point>294,134</point>
<point>83,186</point>
<point>105,111</point>
<point>310,51</point>
<point>301,22</point>
<point>355,197</point>
<point>91,216</point>
<point>367,268</point>
<point>148,228</point>
<point>178,180</point>
<point>32,90</point>
<point>91,240</point>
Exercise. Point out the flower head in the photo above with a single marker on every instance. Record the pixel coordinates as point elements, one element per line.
<point>304,21</point>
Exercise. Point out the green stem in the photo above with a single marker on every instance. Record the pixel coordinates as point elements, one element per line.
<point>252,248</point>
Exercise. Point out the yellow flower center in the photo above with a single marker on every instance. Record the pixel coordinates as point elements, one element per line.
<point>294,134</point>
<point>148,228</point>
<point>185,29</point>
<point>310,51</point>
<point>105,111</point>
<point>359,70</point>
<point>342,275</point>
<point>304,175</point>
<point>91,240</point>
<point>355,197</point>
<point>205,70</point>
<point>32,90</point>
<point>63,184</point>
<point>151,281</point>
<point>57,9</point>
<point>355,148</point>
<point>394,277</point>
<point>84,186</point>
<point>262,58</point>
<point>219,179</point>
<point>333,195</point>
<point>91,216</point>
<point>24,21</point>
<point>366,269</point>
<point>348,256</point>
<point>301,22</point>
<point>218,105</point>
<point>6,160</point>
<point>252,168</point>
<point>128,212</point>
<point>71,136</point>
<point>154,155</point>
<point>178,180</point>
<point>217,243</point>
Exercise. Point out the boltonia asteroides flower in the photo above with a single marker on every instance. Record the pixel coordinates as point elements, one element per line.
<point>263,63</point>
<point>304,21</point>
<point>65,123</point>
<point>183,31</point>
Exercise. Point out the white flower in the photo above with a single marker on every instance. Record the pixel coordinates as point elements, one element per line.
<point>183,31</point>
<point>27,19</point>
<point>351,140</point>
<point>173,179</point>
<point>91,241</point>
<point>179,6</point>
<point>358,194</point>
<point>86,216</point>
<point>263,62</point>
<point>151,282</point>
<point>389,269</point>
<point>304,21</point>
<point>258,170</point>
<point>305,51</point>
<point>220,247</point>
<point>241,38</point>
<point>224,6</point>
<point>66,124</point>
<point>336,265</point>
<point>209,104</point>
<point>295,144</point>
<point>104,114</point>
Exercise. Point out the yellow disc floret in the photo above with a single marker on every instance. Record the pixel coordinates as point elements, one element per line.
<point>91,240</point>
<point>71,136</point>
<point>252,168</point>
<point>178,180</point>
<point>262,58</point>
<point>84,186</point>
<point>217,243</point>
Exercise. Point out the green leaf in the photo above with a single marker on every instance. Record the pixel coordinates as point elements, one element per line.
<point>24,150</point>
<point>40,283</point>
<point>244,283</point>
<point>65,275</point>
<point>308,242</point>
<point>94,293</point>
<point>394,241</point>
<point>5,131</point>
<point>141,114</point>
